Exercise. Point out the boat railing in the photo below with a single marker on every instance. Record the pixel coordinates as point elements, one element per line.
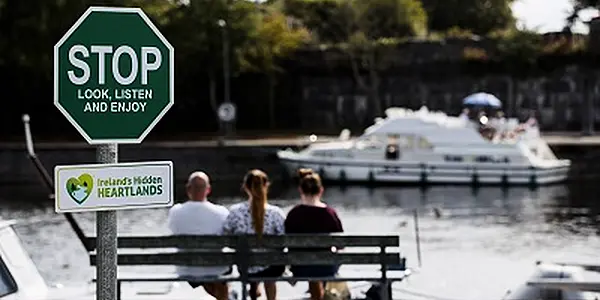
<point>48,182</point>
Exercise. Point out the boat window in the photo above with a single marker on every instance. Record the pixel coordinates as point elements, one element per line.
<point>453,158</point>
<point>551,294</point>
<point>393,139</point>
<point>7,282</point>
<point>371,143</point>
<point>320,153</point>
<point>407,142</point>
<point>424,143</point>
<point>483,159</point>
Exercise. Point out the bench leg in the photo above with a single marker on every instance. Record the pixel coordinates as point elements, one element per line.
<point>386,290</point>
<point>118,290</point>
<point>244,290</point>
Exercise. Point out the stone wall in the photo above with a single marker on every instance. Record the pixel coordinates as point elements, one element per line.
<point>227,164</point>
<point>224,164</point>
<point>563,100</point>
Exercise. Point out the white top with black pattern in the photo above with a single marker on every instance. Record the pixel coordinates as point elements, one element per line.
<point>239,221</point>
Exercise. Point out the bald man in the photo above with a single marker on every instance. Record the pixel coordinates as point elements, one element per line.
<point>198,216</point>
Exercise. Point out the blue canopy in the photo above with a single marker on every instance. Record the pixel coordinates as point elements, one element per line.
<point>482,99</point>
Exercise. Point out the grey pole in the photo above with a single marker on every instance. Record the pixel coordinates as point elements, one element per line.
<point>226,63</point>
<point>226,71</point>
<point>106,235</point>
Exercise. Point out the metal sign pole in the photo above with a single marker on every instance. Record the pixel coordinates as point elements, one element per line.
<point>106,235</point>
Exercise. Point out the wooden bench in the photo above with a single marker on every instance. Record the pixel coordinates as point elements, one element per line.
<point>247,250</point>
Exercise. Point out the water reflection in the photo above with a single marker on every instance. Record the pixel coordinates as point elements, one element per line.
<point>481,241</point>
<point>572,209</point>
<point>516,206</point>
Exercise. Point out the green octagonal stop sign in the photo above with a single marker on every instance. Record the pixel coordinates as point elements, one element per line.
<point>113,75</point>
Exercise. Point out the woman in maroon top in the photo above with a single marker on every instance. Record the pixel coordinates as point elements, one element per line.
<point>313,216</point>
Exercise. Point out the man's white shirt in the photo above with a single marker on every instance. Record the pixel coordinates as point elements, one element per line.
<point>198,218</point>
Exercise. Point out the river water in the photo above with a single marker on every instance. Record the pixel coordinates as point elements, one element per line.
<point>485,242</point>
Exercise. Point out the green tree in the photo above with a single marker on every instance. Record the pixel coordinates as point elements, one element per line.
<point>335,21</point>
<point>391,18</point>
<point>478,16</point>
<point>359,27</point>
<point>329,21</point>
<point>257,36</point>
<point>274,39</point>
<point>520,48</point>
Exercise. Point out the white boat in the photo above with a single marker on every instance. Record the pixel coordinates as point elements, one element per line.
<point>431,147</point>
<point>559,281</point>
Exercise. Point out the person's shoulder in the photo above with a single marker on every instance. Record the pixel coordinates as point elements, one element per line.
<point>295,209</point>
<point>331,210</point>
<point>221,209</point>
<point>302,209</point>
<point>275,209</point>
<point>237,208</point>
<point>175,208</point>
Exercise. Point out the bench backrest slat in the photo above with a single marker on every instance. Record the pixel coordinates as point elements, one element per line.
<point>268,241</point>
<point>264,258</point>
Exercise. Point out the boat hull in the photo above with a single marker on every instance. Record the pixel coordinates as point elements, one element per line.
<point>429,173</point>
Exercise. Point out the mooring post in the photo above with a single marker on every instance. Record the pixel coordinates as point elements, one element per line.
<point>417,238</point>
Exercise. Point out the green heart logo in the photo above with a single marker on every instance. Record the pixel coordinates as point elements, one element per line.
<point>80,188</point>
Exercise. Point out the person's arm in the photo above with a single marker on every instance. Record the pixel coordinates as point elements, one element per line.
<point>228,225</point>
<point>289,222</point>
<point>337,223</point>
<point>279,221</point>
<point>170,221</point>
<point>338,227</point>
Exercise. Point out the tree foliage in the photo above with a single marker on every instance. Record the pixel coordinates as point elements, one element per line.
<point>357,26</point>
<point>335,21</point>
<point>579,5</point>
<point>259,37</point>
<point>478,16</point>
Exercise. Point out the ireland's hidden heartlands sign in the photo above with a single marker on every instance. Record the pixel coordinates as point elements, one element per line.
<point>113,186</point>
<point>113,75</point>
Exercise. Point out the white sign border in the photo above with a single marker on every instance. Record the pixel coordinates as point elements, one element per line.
<point>112,208</point>
<point>129,10</point>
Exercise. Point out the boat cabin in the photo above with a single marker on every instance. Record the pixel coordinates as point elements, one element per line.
<point>571,285</point>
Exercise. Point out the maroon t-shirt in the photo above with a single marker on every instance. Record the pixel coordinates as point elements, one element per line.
<point>312,219</point>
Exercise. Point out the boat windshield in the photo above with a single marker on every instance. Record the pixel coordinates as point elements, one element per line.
<point>371,142</point>
<point>7,283</point>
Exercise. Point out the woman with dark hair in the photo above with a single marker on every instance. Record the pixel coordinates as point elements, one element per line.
<point>256,216</point>
<point>313,216</point>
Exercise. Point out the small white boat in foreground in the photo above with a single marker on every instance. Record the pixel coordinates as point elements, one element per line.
<point>559,281</point>
<point>430,147</point>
